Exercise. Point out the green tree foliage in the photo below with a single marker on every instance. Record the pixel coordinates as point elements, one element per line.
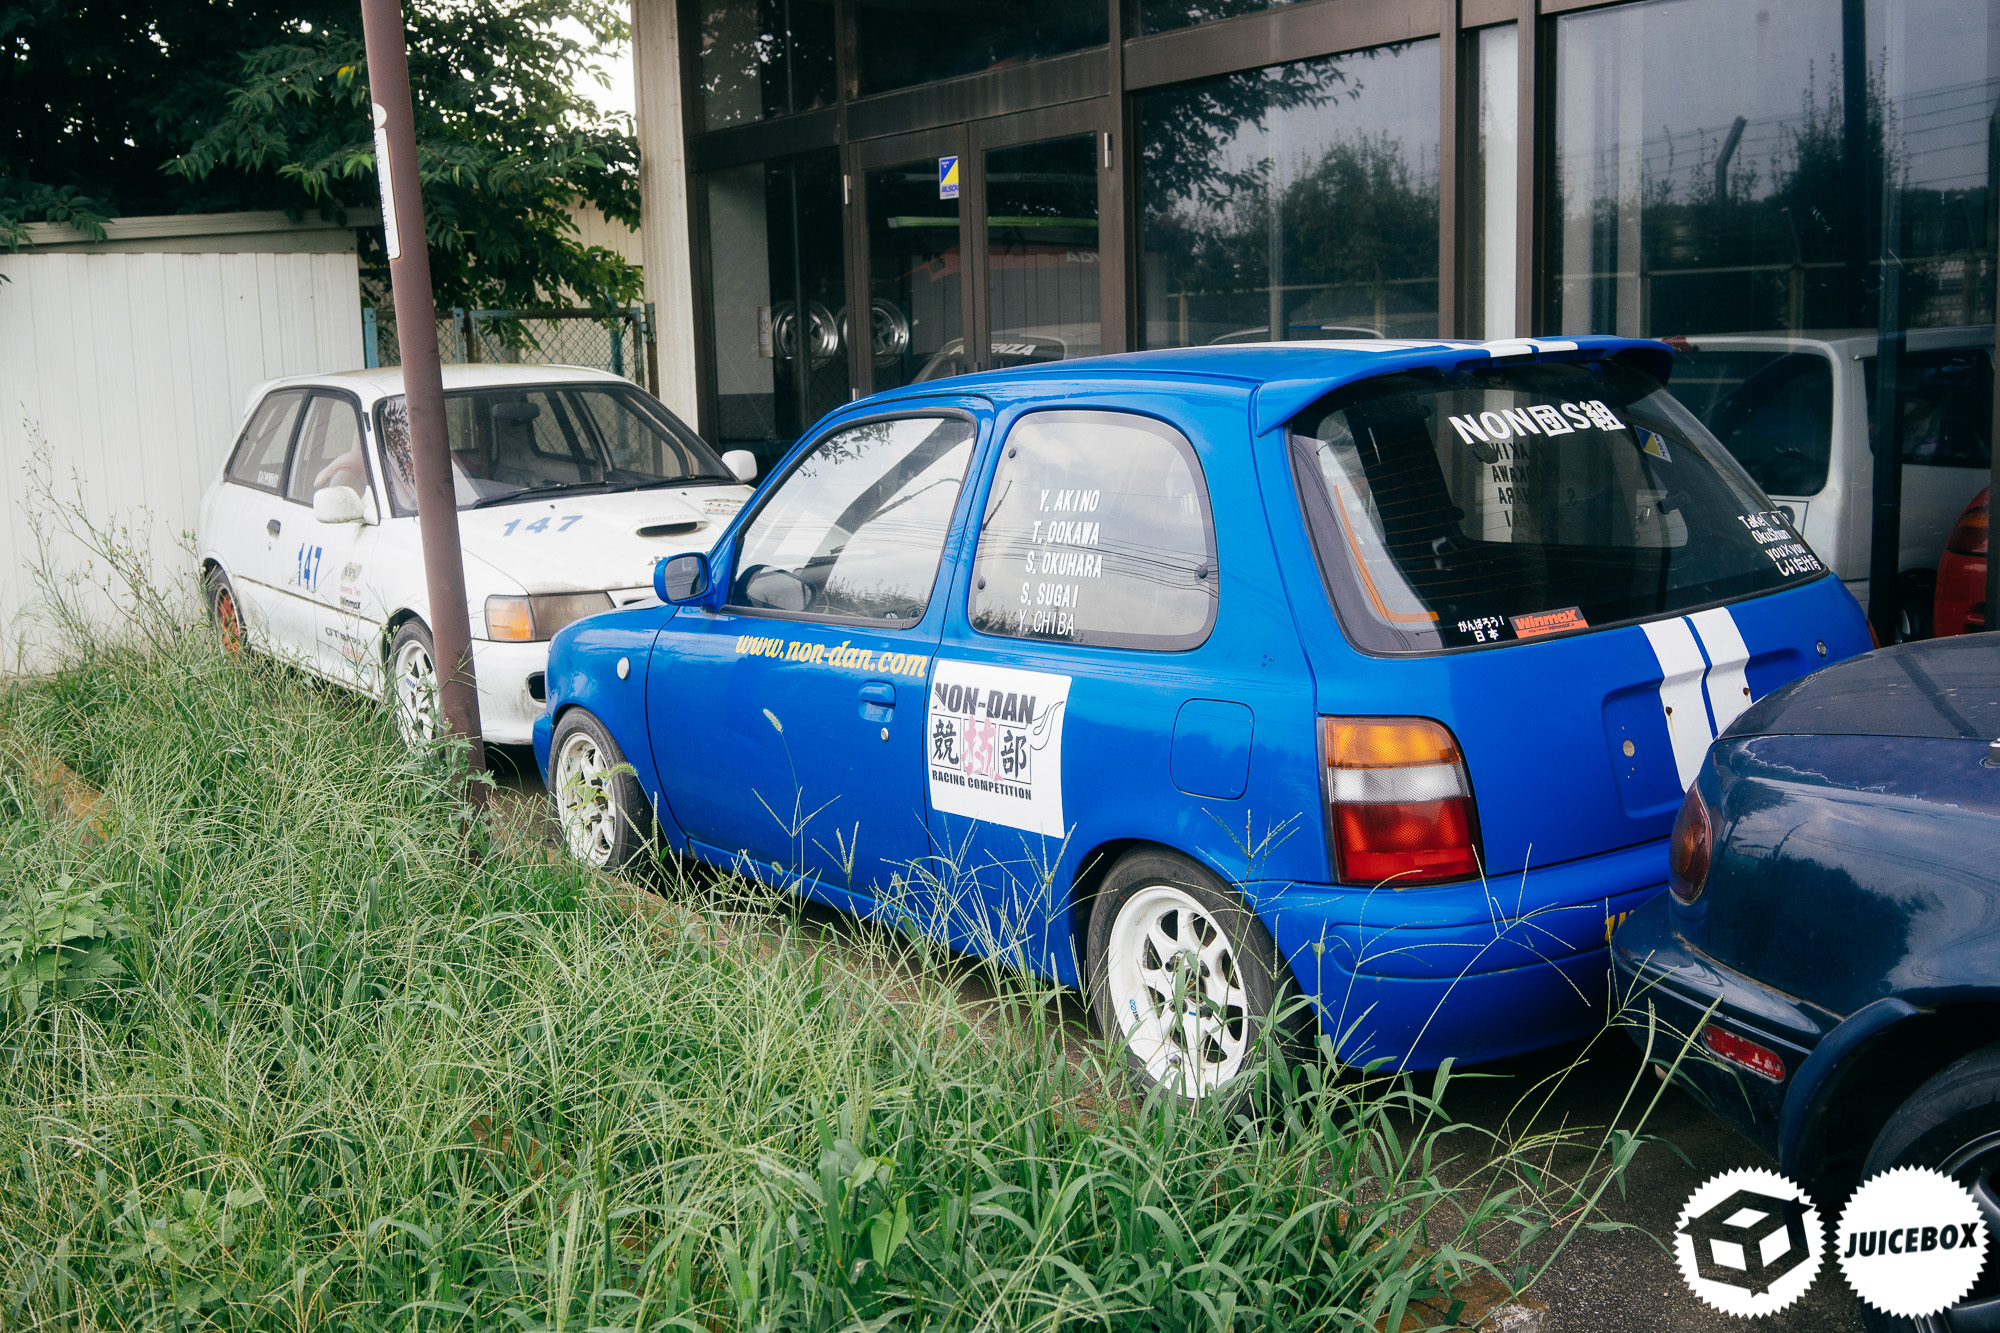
<point>184,106</point>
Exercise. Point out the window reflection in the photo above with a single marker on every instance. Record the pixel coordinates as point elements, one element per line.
<point>906,42</point>
<point>1491,201</point>
<point>1298,201</point>
<point>764,58</point>
<point>777,292</point>
<point>1760,192</point>
<point>915,276</point>
<point>1041,258</point>
<point>1165,15</point>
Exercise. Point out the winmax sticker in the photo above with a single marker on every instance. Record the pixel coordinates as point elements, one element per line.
<point>995,737</point>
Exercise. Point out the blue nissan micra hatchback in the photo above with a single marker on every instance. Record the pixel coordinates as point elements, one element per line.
<point>1372,671</point>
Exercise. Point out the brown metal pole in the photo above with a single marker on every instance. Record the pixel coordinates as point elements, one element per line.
<point>423,382</point>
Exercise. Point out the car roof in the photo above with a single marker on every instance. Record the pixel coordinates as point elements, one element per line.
<point>1283,378</point>
<point>386,381</point>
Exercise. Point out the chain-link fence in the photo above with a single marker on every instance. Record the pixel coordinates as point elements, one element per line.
<point>621,342</point>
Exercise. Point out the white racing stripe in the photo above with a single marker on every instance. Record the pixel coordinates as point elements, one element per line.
<point>1682,668</point>
<point>1728,688</point>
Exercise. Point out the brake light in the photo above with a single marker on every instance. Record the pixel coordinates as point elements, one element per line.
<point>1399,801</point>
<point>1688,849</point>
<point>1969,534</point>
<point>1741,1051</point>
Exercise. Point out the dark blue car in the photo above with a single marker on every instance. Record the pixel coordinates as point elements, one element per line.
<point>1373,671</point>
<point>1831,941</point>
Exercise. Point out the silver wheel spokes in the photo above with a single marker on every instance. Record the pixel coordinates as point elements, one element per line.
<point>1177,990</point>
<point>584,808</point>
<point>416,694</point>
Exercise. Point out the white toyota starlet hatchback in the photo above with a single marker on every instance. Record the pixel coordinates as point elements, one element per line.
<point>571,484</point>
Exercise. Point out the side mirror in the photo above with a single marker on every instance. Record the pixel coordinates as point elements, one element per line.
<point>337,504</point>
<point>681,579</point>
<point>742,464</point>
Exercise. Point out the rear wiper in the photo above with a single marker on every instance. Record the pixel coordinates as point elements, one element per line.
<point>529,492</point>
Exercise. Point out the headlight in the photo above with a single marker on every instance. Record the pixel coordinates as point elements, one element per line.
<point>531,619</point>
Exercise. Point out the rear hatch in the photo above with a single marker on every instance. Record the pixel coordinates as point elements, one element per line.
<point>1556,560</point>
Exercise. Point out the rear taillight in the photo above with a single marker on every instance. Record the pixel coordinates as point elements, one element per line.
<point>1399,800</point>
<point>1745,1053</point>
<point>1969,534</point>
<point>1688,849</point>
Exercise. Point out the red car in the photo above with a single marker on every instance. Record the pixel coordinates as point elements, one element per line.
<point>1960,605</point>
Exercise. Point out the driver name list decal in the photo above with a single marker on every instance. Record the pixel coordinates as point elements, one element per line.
<point>1061,550</point>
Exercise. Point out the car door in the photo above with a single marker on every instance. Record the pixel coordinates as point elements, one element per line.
<point>787,724</point>
<point>297,552</point>
<point>249,510</point>
<point>332,560</point>
<point>1079,691</point>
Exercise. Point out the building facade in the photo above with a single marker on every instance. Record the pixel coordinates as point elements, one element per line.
<point>848,195</point>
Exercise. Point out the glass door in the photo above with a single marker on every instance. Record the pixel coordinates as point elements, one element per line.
<point>1043,288</point>
<point>914,266</point>
<point>981,247</point>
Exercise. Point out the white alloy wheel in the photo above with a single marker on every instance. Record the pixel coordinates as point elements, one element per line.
<point>583,795</point>
<point>1175,985</point>
<point>413,684</point>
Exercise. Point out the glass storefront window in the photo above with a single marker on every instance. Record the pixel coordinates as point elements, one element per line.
<point>1490,204</point>
<point>907,42</point>
<point>915,276</point>
<point>777,284</point>
<point>1694,194</point>
<point>1298,201</point>
<point>764,58</point>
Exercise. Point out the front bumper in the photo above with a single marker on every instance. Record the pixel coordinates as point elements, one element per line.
<point>1667,993</point>
<point>1467,972</point>
<point>507,712</point>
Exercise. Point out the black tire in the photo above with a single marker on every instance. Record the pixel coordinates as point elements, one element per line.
<point>600,809</point>
<point>1951,1123</point>
<point>224,611</point>
<point>1180,900</point>
<point>413,703</point>
<point>1916,604</point>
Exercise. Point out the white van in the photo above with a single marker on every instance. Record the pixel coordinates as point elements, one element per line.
<point>1798,413</point>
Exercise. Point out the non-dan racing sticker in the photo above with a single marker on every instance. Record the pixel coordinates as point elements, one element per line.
<point>995,745</point>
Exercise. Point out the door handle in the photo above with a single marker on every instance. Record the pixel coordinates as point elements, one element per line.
<point>273,527</point>
<point>878,703</point>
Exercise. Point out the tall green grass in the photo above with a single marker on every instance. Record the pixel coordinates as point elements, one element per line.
<point>369,1061</point>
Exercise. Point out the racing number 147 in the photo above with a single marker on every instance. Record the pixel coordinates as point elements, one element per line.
<point>539,525</point>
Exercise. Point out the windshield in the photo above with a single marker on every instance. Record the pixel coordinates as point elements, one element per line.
<point>1484,507</point>
<point>534,439</point>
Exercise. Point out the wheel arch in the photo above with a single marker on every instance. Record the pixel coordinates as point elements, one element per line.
<point>1095,864</point>
<point>397,619</point>
<point>1842,1114</point>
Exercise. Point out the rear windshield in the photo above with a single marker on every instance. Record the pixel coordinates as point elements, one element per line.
<point>1479,508</point>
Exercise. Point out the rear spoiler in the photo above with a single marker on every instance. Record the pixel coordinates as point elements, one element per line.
<point>1280,400</point>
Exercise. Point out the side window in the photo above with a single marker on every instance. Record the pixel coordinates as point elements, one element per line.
<point>1097,531</point>
<point>259,459</point>
<point>1944,406</point>
<point>329,450</point>
<point>399,466</point>
<point>858,528</point>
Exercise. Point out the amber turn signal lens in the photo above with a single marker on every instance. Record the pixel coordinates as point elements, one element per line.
<point>508,618</point>
<point>1689,848</point>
